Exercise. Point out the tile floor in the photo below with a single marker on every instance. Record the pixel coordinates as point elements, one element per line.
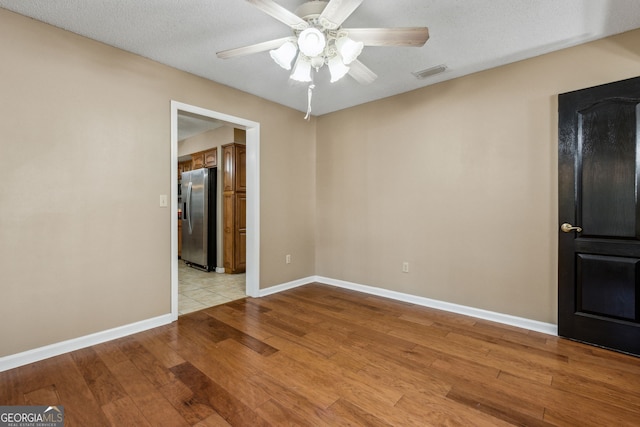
<point>198,289</point>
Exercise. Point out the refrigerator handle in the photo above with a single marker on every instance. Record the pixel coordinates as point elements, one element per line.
<point>188,207</point>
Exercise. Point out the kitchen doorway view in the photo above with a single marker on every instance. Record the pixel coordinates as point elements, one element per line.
<point>211,211</point>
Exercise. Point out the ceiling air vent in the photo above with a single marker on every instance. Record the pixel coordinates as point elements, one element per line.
<point>429,72</point>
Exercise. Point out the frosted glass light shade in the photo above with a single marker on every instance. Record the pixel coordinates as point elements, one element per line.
<point>311,42</point>
<point>337,68</point>
<point>301,70</point>
<point>284,54</point>
<point>349,49</point>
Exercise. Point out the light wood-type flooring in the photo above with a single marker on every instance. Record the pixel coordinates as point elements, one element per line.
<point>322,356</point>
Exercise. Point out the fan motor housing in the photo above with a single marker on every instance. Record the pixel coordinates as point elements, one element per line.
<point>311,9</point>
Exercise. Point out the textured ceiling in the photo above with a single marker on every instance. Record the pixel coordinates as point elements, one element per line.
<point>466,35</point>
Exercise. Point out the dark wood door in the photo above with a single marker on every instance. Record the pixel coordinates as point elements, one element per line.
<point>599,185</point>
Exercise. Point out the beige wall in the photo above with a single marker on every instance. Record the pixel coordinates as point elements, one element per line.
<point>85,154</point>
<point>205,140</point>
<point>459,179</point>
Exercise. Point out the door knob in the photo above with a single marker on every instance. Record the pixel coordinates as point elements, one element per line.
<point>568,228</point>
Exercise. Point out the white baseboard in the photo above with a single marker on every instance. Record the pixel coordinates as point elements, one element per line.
<point>507,319</point>
<point>219,269</point>
<point>37,354</point>
<point>285,286</point>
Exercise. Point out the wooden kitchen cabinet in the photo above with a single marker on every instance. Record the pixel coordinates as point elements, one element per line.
<point>211,158</point>
<point>197,161</point>
<point>205,159</point>
<point>234,208</point>
<point>183,167</point>
<point>234,173</point>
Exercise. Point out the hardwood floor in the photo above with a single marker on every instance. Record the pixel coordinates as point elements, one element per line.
<point>319,355</point>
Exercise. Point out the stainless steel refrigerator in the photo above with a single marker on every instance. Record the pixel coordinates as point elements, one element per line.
<point>199,218</point>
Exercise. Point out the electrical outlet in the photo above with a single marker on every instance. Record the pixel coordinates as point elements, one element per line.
<point>287,259</point>
<point>405,267</point>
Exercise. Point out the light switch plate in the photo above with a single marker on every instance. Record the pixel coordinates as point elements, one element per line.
<point>164,201</point>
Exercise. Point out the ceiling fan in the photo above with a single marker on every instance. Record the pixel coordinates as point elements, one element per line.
<point>318,39</point>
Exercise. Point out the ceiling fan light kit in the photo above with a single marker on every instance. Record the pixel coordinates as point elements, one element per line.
<point>313,48</point>
<point>319,39</point>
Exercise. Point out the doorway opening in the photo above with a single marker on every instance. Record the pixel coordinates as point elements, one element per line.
<point>252,130</point>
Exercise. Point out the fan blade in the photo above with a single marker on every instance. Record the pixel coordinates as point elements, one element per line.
<point>410,36</point>
<point>361,73</point>
<point>336,12</point>
<point>254,48</point>
<point>280,13</point>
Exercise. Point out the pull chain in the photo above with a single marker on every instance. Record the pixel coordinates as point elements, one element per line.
<point>309,95</point>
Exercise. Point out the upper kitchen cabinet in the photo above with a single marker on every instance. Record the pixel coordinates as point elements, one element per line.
<point>211,158</point>
<point>184,167</point>
<point>205,159</point>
